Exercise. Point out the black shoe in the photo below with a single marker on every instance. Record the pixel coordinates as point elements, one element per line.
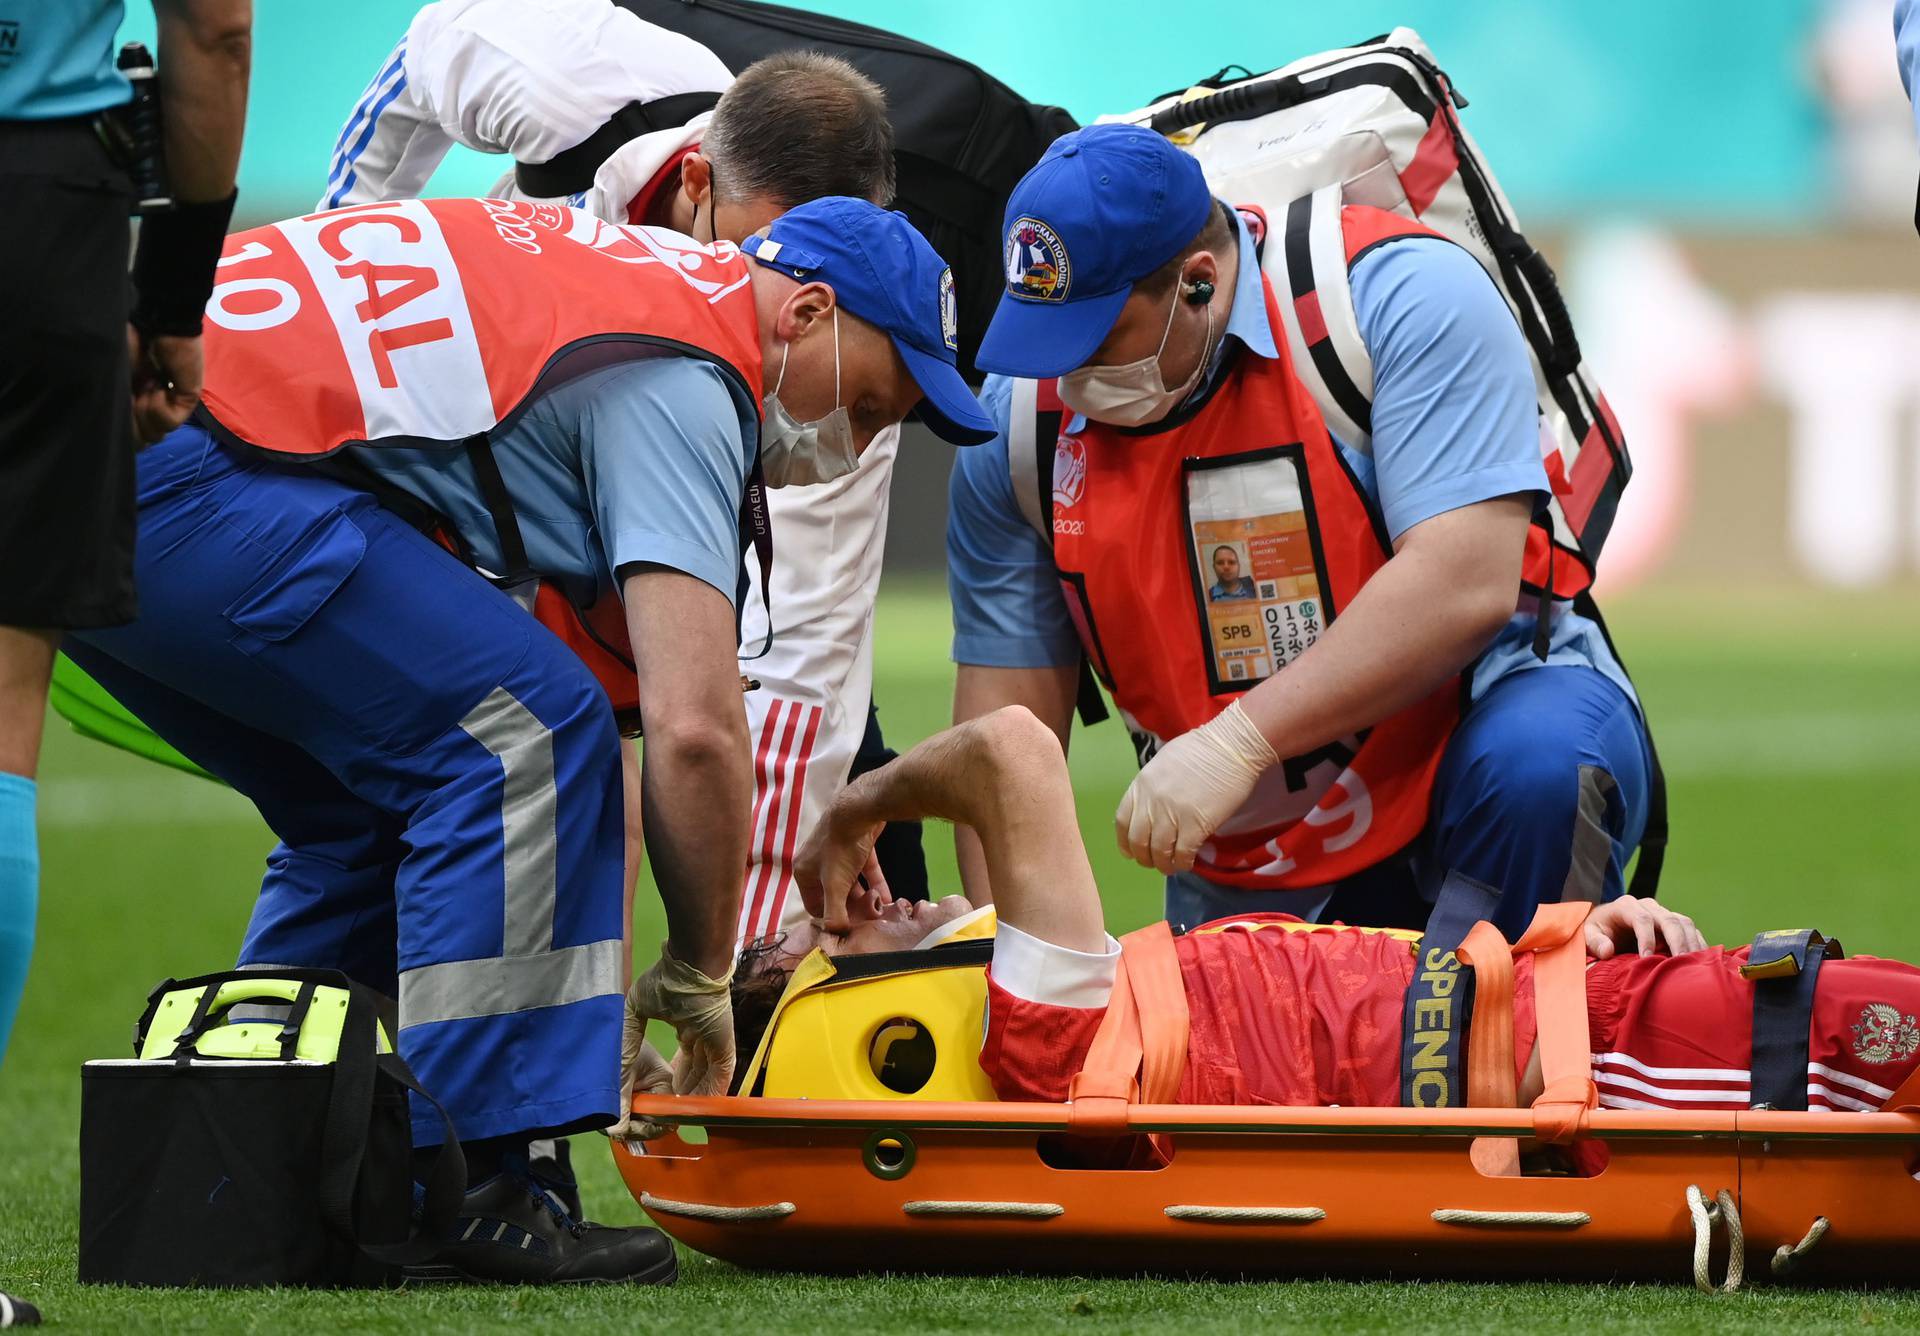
<point>551,1162</point>
<point>17,1312</point>
<point>515,1229</point>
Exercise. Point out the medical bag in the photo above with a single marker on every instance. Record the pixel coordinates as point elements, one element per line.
<point>962,139</point>
<point>260,1136</point>
<point>1378,124</point>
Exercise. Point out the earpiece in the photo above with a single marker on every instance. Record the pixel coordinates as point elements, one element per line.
<point>1200,293</point>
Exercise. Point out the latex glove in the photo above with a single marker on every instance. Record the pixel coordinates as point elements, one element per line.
<point>1193,784</point>
<point>642,1070</point>
<point>700,1010</point>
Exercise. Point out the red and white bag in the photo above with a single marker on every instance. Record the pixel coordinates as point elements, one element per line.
<point>1377,124</point>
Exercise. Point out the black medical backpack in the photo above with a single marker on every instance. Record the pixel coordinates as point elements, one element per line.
<point>962,139</point>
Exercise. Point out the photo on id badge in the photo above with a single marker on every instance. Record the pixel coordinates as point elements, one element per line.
<point>1257,563</point>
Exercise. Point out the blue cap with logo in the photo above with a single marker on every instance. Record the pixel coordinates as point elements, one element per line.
<point>1104,208</point>
<point>884,272</point>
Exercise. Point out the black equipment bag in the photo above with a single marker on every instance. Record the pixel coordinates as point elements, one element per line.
<point>962,139</point>
<point>213,1171</point>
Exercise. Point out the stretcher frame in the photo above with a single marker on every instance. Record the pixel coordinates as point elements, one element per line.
<point>837,1185</point>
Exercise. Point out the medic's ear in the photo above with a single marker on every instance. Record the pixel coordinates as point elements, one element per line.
<point>696,179</point>
<point>805,306</point>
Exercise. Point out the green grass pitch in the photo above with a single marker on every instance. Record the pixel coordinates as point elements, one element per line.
<point>1788,725</point>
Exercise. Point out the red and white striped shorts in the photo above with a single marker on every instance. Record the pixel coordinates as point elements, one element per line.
<point>1676,1032</point>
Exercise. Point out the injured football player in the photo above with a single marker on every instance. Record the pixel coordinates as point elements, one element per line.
<point>1284,1013</point>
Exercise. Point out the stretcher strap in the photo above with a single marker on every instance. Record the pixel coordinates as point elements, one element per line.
<point>1143,1034</point>
<point>1784,968</point>
<point>1557,936</point>
<point>1560,994</point>
<point>1490,1081</point>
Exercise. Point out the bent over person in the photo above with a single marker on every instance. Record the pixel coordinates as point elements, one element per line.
<point>559,402</point>
<point>635,123</point>
<point>1287,1013</point>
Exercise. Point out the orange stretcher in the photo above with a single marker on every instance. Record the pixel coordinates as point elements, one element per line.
<point>875,1142</point>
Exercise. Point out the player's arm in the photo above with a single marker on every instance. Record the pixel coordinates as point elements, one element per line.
<point>1013,642</point>
<point>1457,458</point>
<point>1004,776</point>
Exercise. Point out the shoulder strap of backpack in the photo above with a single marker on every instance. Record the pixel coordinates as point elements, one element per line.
<point>1032,428</point>
<point>1308,268</point>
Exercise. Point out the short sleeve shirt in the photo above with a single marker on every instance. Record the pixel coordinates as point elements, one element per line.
<point>1455,422</point>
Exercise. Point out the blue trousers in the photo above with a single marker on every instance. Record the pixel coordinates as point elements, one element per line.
<point>1542,795</point>
<point>442,773</point>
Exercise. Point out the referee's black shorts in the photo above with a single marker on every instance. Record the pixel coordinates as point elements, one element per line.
<point>66,433</point>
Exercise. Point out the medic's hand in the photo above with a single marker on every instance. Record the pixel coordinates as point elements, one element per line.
<point>699,1009</point>
<point>167,372</point>
<point>1193,784</point>
<point>642,1070</point>
<point>1645,926</point>
<point>838,872</point>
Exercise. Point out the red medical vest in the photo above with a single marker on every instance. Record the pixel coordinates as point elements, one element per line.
<point>423,323</point>
<point>1202,558</point>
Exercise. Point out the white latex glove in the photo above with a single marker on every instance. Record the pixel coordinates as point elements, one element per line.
<point>1193,784</point>
<point>700,1010</point>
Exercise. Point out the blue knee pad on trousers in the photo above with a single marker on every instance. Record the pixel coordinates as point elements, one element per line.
<point>19,895</point>
<point>1542,794</point>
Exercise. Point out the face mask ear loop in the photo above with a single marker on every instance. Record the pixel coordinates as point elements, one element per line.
<point>836,353</point>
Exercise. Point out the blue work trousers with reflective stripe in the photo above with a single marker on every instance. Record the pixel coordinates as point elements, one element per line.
<point>442,773</point>
<point>1542,795</point>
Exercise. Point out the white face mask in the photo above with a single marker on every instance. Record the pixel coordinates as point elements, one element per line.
<point>1136,393</point>
<point>800,454</point>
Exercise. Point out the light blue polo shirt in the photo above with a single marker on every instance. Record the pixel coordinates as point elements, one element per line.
<point>638,461</point>
<point>56,58</point>
<point>1455,422</point>
<point>1906,44</point>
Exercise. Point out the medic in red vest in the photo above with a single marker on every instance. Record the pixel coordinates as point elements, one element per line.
<point>1321,650</point>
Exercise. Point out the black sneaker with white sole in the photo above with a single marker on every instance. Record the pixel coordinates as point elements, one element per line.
<point>513,1229</point>
<point>17,1312</point>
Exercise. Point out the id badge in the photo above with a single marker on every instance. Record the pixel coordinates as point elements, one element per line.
<point>1258,568</point>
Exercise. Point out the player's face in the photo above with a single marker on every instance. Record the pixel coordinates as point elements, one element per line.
<point>1226,565</point>
<point>902,926</point>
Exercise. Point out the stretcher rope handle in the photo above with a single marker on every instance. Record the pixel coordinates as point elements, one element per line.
<point>1022,1210</point>
<point>1250,1215</point>
<point>699,1210</point>
<point>1520,1219</point>
<point>1721,1209</point>
<point>1786,1260</point>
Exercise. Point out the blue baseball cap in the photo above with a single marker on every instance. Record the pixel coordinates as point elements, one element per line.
<point>1104,208</point>
<point>884,272</point>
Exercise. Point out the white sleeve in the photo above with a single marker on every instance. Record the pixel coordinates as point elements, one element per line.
<point>532,78</point>
<point>810,712</point>
<point>391,143</point>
